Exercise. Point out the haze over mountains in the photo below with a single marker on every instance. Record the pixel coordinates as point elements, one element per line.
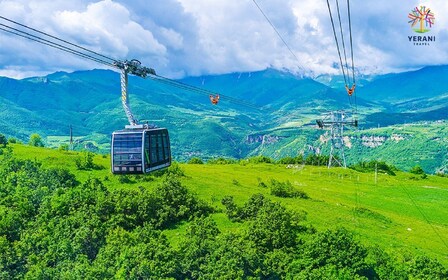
<point>281,121</point>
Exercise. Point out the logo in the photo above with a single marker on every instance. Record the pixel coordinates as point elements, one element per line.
<point>421,19</point>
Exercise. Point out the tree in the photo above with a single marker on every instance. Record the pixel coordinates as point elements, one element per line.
<point>3,140</point>
<point>36,140</point>
<point>417,170</point>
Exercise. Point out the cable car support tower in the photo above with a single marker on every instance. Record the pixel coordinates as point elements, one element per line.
<point>336,121</point>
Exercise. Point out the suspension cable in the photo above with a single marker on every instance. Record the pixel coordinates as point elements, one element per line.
<point>342,40</point>
<point>351,40</point>
<point>336,40</point>
<point>114,64</point>
<point>59,39</point>
<point>52,44</point>
<point>279,35</point>
<point>349,85</point>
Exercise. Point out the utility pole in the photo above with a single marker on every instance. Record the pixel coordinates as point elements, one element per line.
<point>71,138</point>
<point>376,172</point>
<point>336,121</point>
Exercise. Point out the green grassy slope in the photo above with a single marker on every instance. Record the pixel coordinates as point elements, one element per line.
<point>402,214</point>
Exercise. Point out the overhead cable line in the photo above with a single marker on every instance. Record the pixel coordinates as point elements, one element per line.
<point>59,39</point>
<point>51,44</point>
<point>66,46</point>
<point>206,92</point>
<point>349,78</point>
<point>342,38</point>
<point>337,43</point>
<point>280,36</point>
<point>425,218</point>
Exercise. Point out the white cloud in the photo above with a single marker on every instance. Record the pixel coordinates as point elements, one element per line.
<point>194,37</point>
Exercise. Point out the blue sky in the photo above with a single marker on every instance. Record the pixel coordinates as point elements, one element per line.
<point>196,37</point>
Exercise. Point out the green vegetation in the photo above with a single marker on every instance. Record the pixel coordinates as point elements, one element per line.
<point>412,131</point>
<point>375,166</point>
<point>215,221</point>
<point>3,140</point>
<point>285,189</point>
<point>36,140</point>
<point>195,160</point>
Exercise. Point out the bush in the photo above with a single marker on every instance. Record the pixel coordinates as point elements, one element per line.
<point>85,161</point>
<point>221,160</point>
<point>63,147</point>
<point>335,248</point>
<point>417,170</point>
<point>286,189</point>
<point>36,140</point>
<point>175,170</point>
<point>13,141</point>
<point>260,159</point>
<point>424,267</point>
<point>317,160</point>
<point>371,166</point>
<point>3,140</point>
<point>291,160</point>
<point>195,160</point>
<point>125,179</point>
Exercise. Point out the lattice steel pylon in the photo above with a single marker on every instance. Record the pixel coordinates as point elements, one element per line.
<point>336,121</point>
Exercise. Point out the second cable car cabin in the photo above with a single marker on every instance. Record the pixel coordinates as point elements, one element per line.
<point>138,149</point>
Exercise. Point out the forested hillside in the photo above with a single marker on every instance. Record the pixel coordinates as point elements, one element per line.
<point>279,121</point>
<point>65,216</point>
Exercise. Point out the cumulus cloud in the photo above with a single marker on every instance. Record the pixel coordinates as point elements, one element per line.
<point>195,37</point>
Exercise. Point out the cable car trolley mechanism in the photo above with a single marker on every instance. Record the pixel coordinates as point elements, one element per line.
<point>139,148</point>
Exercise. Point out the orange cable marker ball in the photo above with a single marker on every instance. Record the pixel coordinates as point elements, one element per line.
<point>214,99</point>
<point>351,90</point>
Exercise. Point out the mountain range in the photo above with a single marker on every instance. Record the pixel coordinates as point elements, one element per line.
<point>268,112</point>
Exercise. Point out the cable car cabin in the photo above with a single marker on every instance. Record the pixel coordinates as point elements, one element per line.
<point>140,150</point>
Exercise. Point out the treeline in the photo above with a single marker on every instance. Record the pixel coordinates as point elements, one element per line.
<point>316,160</point>
<point>54,227</point>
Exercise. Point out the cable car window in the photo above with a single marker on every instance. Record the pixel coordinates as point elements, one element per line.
<point>159,148</point>
<point>127,149</point>
<point>147,159</point>
<point>166,146</point>
<point>153,144</point>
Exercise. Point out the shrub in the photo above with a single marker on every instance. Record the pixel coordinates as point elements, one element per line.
<point>371,166</point>
<point>285,189</point>
<point>260,159</point>
<point>85,161</point>
<point>291,160</point>
<point>335,248</point>
<point>125,179</point>
<point>424,267</point>
<point>195,160</point>
<point>3,140</point>
<point>63,147</point>
<point>221,160</point>
<point>36,140</point>
<point>317,160</point>
<point>175,170</point>
<point>417,170</point>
